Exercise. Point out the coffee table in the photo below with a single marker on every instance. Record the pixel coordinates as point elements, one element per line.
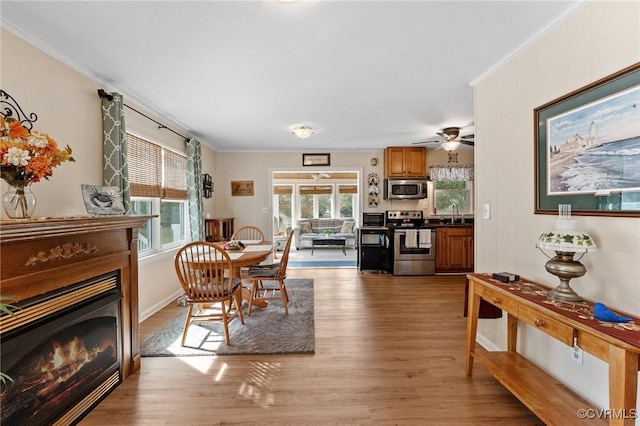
<point>329,241</point>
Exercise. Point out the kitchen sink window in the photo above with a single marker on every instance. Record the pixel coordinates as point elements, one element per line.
<point>447,193</point>
<point>452,185</point>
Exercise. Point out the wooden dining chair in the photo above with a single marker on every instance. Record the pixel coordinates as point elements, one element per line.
<point>211,292</point>
<point>262,277</point>
<point>248,233</point>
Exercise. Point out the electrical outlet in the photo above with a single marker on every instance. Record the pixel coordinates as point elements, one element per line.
<point>265,210</point>
<point>576,354</point>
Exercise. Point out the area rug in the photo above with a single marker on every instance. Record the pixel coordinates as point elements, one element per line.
<point>267,331</point>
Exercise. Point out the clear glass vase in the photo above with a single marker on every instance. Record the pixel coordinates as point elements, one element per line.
<point>19,202</point>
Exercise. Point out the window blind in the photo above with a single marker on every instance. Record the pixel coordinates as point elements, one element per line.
<point>146,161</point>
<point>282,190</point>
<point>145,167</point>
<point>347,189</point>
<point>175,175</point>
<point>316,189</point>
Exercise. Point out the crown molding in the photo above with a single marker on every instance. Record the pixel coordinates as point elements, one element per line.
<point>554,22</point>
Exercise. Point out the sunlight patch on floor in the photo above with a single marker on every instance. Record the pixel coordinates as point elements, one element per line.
<point>259,380</point>
<point>203,364</point>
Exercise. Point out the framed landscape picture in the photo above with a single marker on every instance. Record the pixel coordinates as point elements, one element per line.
<point>241,188</point>
<point>587,148</point>
<point>316,159</point>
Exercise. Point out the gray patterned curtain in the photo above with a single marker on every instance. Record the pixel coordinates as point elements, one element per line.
<point>116,172</point>
<point>194,188</point>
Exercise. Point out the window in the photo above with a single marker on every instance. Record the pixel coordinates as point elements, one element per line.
<point>347,200</point>
<point>283,207</point>
<point>158,183</point>
<point>447,193</point>
<point>316,201</point>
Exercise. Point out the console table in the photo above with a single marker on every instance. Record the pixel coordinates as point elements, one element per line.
<point>550,400</point>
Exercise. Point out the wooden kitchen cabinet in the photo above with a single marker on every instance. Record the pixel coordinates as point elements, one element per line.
<point>405,161</point>
<point>454,249</point>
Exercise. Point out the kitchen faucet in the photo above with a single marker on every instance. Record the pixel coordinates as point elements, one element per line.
<point>454,211</point>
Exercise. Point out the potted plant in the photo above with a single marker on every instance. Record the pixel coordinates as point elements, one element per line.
<point>327,233</point>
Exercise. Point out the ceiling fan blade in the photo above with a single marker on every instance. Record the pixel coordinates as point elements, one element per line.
<point>442,135</point>
<point>466,142</point>
<point>424,142</point>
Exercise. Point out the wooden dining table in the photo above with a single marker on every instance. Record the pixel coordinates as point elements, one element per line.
<point>250,256</point>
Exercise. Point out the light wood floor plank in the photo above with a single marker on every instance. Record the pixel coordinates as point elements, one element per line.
<point>389,350</point>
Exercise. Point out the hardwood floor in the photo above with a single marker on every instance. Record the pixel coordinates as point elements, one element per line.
<point>389,350</point>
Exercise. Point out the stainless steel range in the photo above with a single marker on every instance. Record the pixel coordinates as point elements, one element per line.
<point>413,243</point>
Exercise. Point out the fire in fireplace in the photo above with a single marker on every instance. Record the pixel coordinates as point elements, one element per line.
<point>63,363</point>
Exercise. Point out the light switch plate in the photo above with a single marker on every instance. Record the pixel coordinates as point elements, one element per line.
<point>486,211</point>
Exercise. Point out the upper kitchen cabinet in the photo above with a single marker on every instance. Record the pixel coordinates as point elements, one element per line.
<point>405,161</point>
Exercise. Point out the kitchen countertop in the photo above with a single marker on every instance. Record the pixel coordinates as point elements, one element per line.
<point>449,225</point>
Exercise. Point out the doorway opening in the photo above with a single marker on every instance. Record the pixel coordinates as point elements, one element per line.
<point>320,197</point>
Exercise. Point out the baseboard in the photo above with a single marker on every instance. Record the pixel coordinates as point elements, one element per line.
<point>486,343</point>
<point>164,302</point>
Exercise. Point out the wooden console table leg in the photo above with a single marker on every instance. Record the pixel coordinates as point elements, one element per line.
<point>623,386</point>
<point>512,332</point>
<point>472,325</point>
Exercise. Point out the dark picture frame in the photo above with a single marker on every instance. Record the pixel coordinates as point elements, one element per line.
<point>316,159</point>
<point>581,158</point>
<point>207,185</point>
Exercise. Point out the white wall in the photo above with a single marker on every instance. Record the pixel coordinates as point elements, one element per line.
<point>599,40</point>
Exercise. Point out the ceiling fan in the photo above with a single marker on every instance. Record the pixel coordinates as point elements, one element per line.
<point>318,176</point>
<point>450,139</point>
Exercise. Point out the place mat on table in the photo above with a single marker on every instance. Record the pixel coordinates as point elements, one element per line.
<point>262,247</point>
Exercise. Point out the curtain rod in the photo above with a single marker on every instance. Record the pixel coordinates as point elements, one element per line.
<point>103,94</point>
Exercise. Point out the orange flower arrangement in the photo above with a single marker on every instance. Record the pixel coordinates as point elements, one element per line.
<point>27,157</point>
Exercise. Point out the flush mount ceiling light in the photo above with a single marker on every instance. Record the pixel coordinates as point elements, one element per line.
<point>303,132</point>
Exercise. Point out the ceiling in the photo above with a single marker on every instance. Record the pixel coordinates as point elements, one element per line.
<point>239,74</point>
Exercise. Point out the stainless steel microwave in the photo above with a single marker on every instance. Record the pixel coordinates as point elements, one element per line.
<point>405,189</point>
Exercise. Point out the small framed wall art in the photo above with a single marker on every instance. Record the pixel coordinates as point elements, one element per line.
<point>207,185</point>
<point>102,200</point>
<point>241,188</point>
<point>316,159</point>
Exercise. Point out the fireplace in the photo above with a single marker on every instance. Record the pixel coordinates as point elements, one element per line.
<point>58,360</point>
<point>75,336</point>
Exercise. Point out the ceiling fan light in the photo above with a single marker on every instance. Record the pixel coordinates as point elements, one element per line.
<point>303,132</point>
<point>450,145</point>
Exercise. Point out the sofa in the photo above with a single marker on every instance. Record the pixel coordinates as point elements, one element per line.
<point>307,229</point>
